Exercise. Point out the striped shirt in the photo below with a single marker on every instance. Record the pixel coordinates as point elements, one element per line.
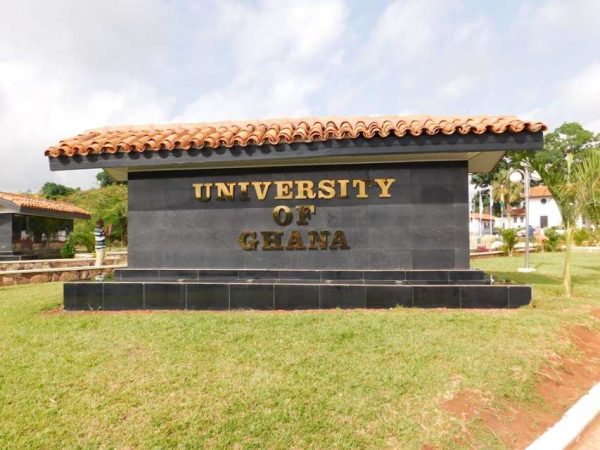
<point>100,238</point>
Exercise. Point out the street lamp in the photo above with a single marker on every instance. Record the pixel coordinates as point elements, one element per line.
<point>515,177</point>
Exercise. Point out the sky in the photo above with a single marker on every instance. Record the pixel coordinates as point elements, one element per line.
<point>71,65</point>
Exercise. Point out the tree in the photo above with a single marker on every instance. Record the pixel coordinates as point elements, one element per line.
<point>504,191</point>
<point>561,167</point>
<point>587,184</point>
<point>52,191</point>
<point>106,180</point>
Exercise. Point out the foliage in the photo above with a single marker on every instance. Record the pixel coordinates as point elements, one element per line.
<point>580,236</point>
<point>53,191</point>
<point>106,180</point>
<point>68,250</point>
<point>562,167</point>
<point>509,237</point>
<point>108,203</point>
<point>83,239</point>
<point>345,379</point>
<point>587,184</point>
<point>552,240</point>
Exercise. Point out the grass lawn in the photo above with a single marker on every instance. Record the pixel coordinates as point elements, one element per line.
<point>276,380</point>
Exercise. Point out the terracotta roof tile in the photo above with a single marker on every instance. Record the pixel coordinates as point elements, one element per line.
<point>277,131</point>
<point>539,191</point>
<point>483,216</point>
<point>42,205</point>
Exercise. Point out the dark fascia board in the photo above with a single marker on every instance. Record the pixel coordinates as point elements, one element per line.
<point>331,151</point>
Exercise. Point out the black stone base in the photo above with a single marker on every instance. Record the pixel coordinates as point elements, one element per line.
<point>286,290</point>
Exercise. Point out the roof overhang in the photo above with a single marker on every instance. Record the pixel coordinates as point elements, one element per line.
<point>481,151</point>
<point>7,207</point>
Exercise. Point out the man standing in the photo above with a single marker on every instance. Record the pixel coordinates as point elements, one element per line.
<point>100,239</point>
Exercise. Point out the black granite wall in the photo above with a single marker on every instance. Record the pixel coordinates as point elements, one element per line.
<point>424,225</point>
<point>6,233</point>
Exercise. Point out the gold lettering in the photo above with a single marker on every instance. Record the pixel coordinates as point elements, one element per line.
<point>198,191</point>
<point>361,186</point>
<point>317,240</point>
<point>339,241</point>
<point>284,190</point>
<point>261,188</point>
<point>327,189</point>
<point>305,213</point>
<point>248,240</point>
<point>225,191</point>
<point>287,215</point>
<point>385,184</point>
<point>295,242</point>
<point>304,189</point>
<point>244,190</point>
<point>272,240</point>
<point>343,188</point>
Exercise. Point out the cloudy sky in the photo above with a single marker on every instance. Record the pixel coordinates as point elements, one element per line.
<point>71,65</point>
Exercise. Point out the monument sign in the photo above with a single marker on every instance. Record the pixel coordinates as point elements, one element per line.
<point>298,213</point>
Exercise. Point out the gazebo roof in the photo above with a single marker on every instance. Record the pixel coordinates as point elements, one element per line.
<point>32,205</point>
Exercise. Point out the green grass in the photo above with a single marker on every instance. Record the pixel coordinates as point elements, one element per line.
<point>273,380</point>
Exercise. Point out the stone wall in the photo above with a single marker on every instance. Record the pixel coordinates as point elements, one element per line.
<point>8,278</point>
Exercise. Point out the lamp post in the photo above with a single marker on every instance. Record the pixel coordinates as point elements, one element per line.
<point>516,177</point>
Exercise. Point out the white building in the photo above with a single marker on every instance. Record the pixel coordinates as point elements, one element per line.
<point>543,211</point>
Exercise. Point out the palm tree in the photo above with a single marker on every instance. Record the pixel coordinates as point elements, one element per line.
<point>505,192</point>
<point>568,166</point>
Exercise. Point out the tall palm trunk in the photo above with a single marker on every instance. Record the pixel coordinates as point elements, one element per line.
<point>567,268</point>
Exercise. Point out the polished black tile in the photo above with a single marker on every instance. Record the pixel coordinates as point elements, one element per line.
<point>519,296</point>
<point>433,258</point>
<point>484,297</point>
<point>342,275</point>
<point>207,296</point>
<point>296,296</point>
<point>342,296</point>
<point>202,274</point>
<point>138,275</point>
<point>389,296</point>
<point>120,296</point>
<point>251,296</point>
<point>399,275</point>
<point>164,296</point>
<point>436,296</point>
<point>258,274</point>
<point>300,274</point>
<point>82,296</point>
<point>178,274</point>
<point>426,275</point>
<point>463,275</point>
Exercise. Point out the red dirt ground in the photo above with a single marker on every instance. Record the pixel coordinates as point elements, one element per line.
<point>561,385</point>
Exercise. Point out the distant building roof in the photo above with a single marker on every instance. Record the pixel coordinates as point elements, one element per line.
<point>515,212</point>
<point>242,133</point>
<point>30,204</point>
<point>539,191</point>
<point>483,216</point>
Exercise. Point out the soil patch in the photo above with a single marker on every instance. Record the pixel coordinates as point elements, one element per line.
<point>562,382</point>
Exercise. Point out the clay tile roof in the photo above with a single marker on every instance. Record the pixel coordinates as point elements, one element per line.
<point>483,216</point>
<point>33,204</point>
<point>278,131</point>
<point>539,191</point>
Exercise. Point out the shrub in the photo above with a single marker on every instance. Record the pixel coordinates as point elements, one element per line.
<point>82,238</point>
<point>552,241</point>
<point>580,236</point>
<point>68,251</point>
<point>509,237</point>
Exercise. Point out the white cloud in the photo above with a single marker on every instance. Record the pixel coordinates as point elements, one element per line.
<point>282,51</point>
<point>576,99</point>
